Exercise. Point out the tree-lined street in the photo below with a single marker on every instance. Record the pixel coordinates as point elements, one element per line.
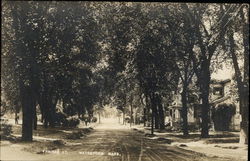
<point>112,141</point>
<point>68,65</point>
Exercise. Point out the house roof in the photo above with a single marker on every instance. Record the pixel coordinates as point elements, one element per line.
<point>216,81</point>
<point>219,100</point>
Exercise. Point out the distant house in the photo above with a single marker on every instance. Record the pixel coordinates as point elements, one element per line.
<point>224,109</point>
<point>173,115</point>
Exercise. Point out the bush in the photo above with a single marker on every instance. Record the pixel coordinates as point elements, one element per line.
<point>72,122</point>
<point>177,126</point>
<point>193,127</point>
<point>6,129</point>
<point>60,118</point>
<point>222,115</point>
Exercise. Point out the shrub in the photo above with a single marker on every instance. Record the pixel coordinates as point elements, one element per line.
<point>221,116</point>
<point>73,121</point>
<point>60,118</point>
<point>193,127</point>
<point>6,129</point>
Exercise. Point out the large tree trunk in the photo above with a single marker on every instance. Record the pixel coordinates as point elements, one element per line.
<point>205,110</point>
<point>244,99</point>
<point>35,119</point>
<point>204,80</point>
<point>46,117</point>
<point>46,111</point>
<point>205,116</point>
<point>53,112</point>
<point>152,122</point>
<point>50,110</point>
<point>161,117</point>
<point>131,114</point>
<point>161,113</point>
<point>27,108</point>
<point>152,113</point>
<point>144,117</point>
<point>147,115</point>
<point>243,92</point>
<point>203,76</point>
<point>244,105</point>
<point>184,111</point>
<point>155,111</point>
<point>156,116</point>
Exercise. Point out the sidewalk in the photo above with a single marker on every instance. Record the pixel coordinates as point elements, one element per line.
<point>218,145</point>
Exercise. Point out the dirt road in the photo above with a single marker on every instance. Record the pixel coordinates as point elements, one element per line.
<point>111,143</point>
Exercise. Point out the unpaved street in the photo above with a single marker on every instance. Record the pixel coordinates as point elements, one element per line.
<point>109,142</point>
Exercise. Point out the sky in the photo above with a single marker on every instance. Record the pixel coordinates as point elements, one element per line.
<point>226,72</point>
<point>222,74</point>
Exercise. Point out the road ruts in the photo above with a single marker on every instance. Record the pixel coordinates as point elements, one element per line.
<point>131,146</point>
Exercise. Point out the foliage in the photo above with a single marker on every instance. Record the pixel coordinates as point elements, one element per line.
<point>86,55</point>
<point>6,129</point>
<point>222,115</point>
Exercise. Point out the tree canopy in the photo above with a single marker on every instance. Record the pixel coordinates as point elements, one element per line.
<point>88,54</point>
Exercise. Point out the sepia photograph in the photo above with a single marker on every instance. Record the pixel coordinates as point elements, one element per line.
<point>124,81</point>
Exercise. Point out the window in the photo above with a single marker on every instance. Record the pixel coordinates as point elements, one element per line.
<point>218,91</point>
